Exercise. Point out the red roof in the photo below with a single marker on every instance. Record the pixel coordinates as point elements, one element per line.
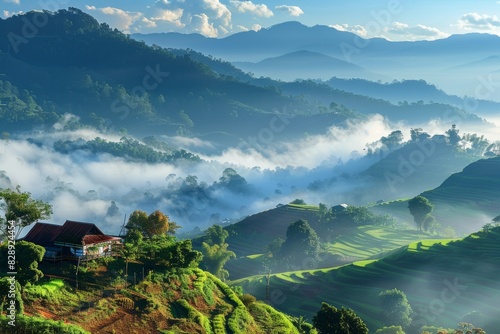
<point>71,233</point>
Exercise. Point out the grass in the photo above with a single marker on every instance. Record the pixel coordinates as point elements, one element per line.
<point>422,270</point>
<point>369,241</point>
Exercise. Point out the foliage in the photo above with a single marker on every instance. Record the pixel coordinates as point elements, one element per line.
<point>127,147</point>
<point>155,224</point>
<point>28,256</point>
<point>330,320</point>
<point>420,208</point>
<point>5,296</point>
<point>301,244</point>
<point>390,330</point>
<point>20,207</point>
<point>216,235</point>
<point>395,310</point>
<point>215,257</point>
<point>298,201</point>
<point>25,324</point>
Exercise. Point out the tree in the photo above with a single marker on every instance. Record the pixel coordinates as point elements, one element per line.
<point>20,207</point>
<point>28,255</point>
<point>216,235</point>
<point>215,257</point>
<point>395,308</point>
<point>301,243</point>
<point>131,249</point>
<point>420,208</point>
<point>156,223</point>
<point>330,320</point>
<point>453,136</point>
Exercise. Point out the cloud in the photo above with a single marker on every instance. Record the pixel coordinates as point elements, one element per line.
<point>202,25</point>
<point>357,29</point>
<point>248,6</point>
<point>117,18</point>
<point>7,14</point>
<point>208,17</point>
<point>17,2</point>
<point>254,27</point>
<point>403,31</point>
<point>172,16</point>
<point>291,10</point>
<point>481,22</point>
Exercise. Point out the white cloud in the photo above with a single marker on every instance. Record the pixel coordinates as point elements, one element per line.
<point>208,17</point>
<point>255,9</point>
<point>254,27</point>
<point>118,18</point>
<point>7,14</point>
<point>357,29</point>
<point>481,22</point>
<point>202,25</point>
<point>172,16</point>
<point>148,23</point>
<point>17,2</point>
<point>403,31</point>
<point>291,10</point>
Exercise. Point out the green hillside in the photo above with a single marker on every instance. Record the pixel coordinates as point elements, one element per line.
<point>250,235</point>
<point>466,200</point>
<point>184,301</point>
<point>444,274</point>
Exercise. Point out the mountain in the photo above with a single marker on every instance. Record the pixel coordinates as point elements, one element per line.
<point>111,81</point>
<point>443,281</point>
<point>469,196</point>
<point>427,60</point>
<point>305,65</point>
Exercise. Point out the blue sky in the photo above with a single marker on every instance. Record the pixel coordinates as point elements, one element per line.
<point>391,19</point>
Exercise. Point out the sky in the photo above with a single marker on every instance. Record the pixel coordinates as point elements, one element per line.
<point>391,19</point>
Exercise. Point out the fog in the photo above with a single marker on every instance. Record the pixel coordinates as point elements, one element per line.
<point>81,186</point>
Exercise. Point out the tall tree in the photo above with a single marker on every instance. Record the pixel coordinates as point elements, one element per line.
<point>216,235</point>
<point>156,223</point>
<point>420,208</point>
<point>330,320</point>
<point>301,243</point>
<point>18,206</point>
<point>395,308</point>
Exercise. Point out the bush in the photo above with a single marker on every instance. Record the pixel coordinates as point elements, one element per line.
<point>248,299</point>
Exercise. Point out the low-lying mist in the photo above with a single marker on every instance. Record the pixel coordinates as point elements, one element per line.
<point>102,188</point>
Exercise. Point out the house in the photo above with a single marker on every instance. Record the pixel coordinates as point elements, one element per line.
<point>72,240</point>
<point>339,208</point>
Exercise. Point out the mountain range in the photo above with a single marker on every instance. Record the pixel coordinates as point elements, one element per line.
<point>429,60</point>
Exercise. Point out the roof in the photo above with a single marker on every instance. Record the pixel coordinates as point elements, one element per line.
<point>74,232</point>
<point>71,233</point>
<point>43,234</point>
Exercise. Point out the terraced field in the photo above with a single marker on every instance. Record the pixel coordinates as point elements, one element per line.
<point>465,200</point>
<point>443,280</point>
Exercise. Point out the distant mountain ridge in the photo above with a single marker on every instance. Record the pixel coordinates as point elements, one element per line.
<point>391,60</point>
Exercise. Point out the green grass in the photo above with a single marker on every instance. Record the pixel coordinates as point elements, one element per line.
<point>369,241</point>
<point>422,270</point>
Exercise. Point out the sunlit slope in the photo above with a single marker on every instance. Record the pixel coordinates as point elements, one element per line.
<point>360,243</point>
<point>465,200</point>
<point>253,233</point>
<point>465,272</point>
